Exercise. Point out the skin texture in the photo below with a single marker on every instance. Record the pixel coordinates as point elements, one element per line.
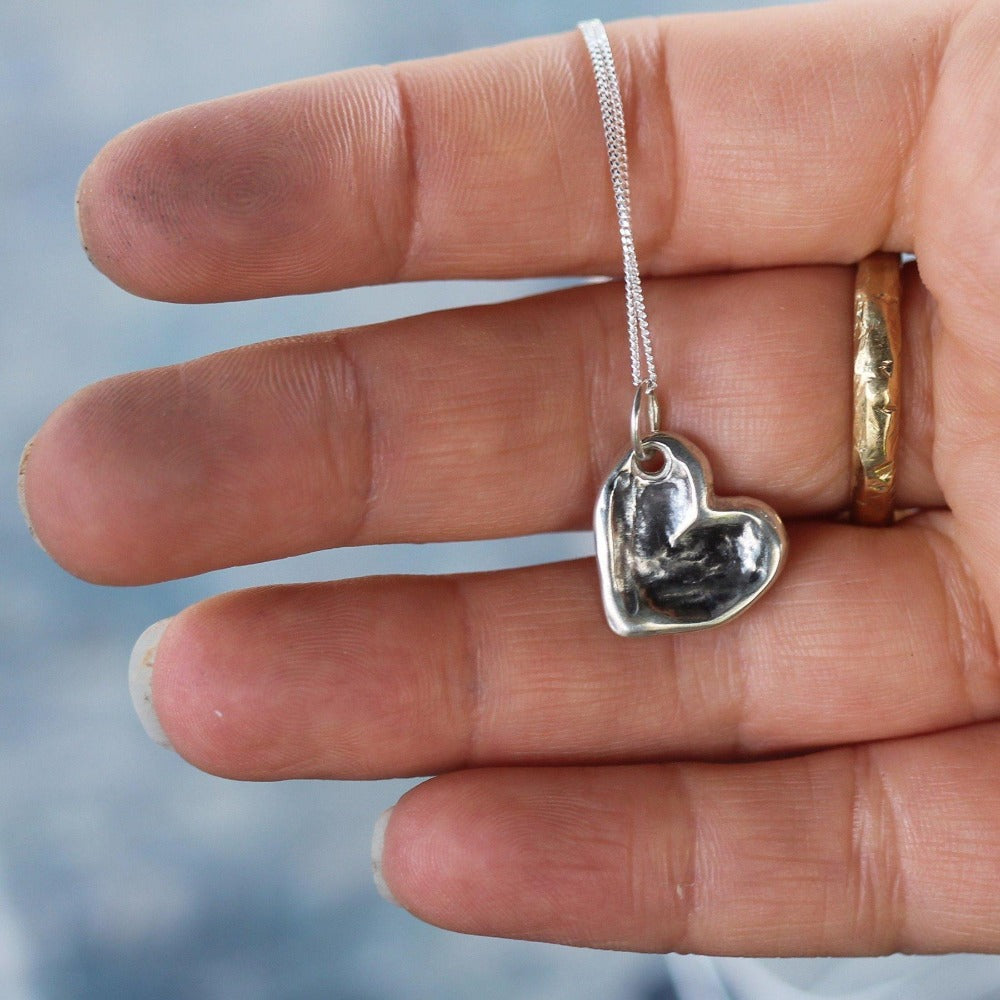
<point>818,777</point>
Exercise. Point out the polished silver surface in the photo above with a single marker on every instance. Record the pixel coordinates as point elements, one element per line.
<point>673,557</point>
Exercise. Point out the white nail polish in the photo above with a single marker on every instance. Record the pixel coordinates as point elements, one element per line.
<point>22,501</point>
<point>378,845</point>
<point>140,680</point>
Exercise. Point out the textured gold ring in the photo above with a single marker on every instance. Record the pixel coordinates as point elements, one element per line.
<point>877,345</point>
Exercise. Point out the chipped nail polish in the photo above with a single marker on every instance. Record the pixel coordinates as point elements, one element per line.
<point>22,501</point>
<point>140,680</point>
<point>378,845</point>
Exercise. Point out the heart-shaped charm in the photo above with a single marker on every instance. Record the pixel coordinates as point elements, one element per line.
<point>674,557</point>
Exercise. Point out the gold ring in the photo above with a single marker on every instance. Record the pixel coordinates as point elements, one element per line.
<point>877,344</point>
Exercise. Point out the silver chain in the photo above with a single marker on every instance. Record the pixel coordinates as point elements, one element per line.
<point>613,116</point>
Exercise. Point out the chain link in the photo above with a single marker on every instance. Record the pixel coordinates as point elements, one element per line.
<point>609,95</point>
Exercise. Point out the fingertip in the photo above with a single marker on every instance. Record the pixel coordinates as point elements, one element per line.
<point>230,709</point>
<point>123,215</point>
<point>116,479</point>
<point>188,697</point>
<point>202,203</point>
<point>210,714</point>
<point>525,853</point>
<point>420,866</point>
<point>96,214</point>
<point>460,850</point>
<point>46,505</point>
<point>70,492</point>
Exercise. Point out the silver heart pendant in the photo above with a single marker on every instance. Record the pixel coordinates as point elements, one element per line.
<point>672,556</point>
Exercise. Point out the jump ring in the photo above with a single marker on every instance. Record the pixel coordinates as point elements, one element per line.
<point>644,391</point>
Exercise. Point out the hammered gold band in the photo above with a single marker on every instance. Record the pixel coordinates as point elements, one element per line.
<point>877,345</point>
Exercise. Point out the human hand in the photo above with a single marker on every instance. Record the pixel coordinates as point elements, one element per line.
<point>816,777</point>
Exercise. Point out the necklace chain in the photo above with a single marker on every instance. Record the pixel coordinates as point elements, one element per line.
<point>609,95</point>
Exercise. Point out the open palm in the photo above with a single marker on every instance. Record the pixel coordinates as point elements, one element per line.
<point>819,776</point>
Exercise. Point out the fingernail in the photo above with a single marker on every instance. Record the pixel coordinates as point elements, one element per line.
<point>77,199</point>
<point>378,845</point>
<point>22,500</point>
<point>140,680</point>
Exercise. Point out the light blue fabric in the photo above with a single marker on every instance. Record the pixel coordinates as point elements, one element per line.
<point>896,977</point>
<point>123,872</point>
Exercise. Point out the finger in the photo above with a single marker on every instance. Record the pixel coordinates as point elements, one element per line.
<point>495,421</point>
<point>959,247</point>
<point>756,139</point>
<point>867,635</point>
<point>863,851</point>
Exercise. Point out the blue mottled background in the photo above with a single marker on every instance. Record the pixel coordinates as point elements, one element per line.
<point>123,872</point>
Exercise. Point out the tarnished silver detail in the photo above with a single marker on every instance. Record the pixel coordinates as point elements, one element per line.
<point>673,557</point>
